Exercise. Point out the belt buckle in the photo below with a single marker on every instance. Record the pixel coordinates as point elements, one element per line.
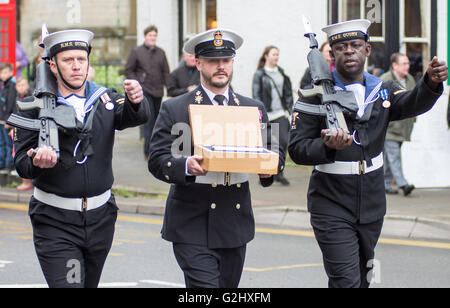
<point>362,167</point>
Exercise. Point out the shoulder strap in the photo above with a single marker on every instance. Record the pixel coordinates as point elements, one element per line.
<point>274,84</point>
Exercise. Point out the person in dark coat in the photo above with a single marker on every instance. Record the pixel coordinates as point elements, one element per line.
<point>346,196</point>
<point>273,88</point>
<point>209,217</point>
<point>148,65</point>
<point>398,132</point>
<point>72,210</point>
<point>186,78</point>
<point>8,95</point>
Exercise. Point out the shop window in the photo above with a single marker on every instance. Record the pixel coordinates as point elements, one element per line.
<point>415,34</point>
<point>211,14</point>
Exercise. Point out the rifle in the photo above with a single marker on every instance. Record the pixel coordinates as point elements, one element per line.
<point>51,117</point>
<point>334,103</point>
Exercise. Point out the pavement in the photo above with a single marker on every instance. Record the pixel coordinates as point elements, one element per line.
<point>424,215</point>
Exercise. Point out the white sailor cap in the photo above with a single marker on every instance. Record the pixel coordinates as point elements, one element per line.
<point>348,30</point>
<point>67,40</point>
<point>215,43</point>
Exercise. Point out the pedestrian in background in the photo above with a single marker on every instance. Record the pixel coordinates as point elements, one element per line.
<point>148,65</point>
<point>185,78</point>
<point>8,95</point>
<point>21,59</point>
<point>273,88</point>
<point>398,131</point>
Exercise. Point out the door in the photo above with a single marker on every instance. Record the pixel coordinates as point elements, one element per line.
<point>8,32</point>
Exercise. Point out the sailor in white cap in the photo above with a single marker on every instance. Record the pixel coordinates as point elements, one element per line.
<point>72,210</point>
<point>208,215</point>
<point>346,196</point>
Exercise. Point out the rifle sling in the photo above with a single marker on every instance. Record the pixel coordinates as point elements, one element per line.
<point>84,135</point>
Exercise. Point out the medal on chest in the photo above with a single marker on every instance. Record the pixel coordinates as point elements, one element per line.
<point>107,102</point>
<point>385,97</point>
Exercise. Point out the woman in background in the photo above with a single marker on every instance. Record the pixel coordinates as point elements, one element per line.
<point>273,88</point>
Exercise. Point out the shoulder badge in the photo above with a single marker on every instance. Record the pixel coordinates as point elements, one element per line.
<point>236,100</point>
<point>295,116</point>
<point>198,97</point>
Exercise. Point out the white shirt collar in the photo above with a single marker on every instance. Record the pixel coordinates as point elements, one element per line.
<point>211,96</point>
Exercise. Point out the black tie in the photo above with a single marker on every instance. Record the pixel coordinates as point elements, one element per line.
<point>220,99</point>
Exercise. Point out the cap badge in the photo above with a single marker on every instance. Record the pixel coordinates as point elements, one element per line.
<point>218,41</point>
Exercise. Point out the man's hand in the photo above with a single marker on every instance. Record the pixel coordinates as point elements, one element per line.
<point>133,90</point>
<point>193,165</point>
<point>44,158</point>
<point>437,73</point>
<point>338,141</point>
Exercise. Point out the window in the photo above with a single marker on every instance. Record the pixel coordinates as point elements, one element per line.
<point>415,33</point>
<point>211,14</point>
<point>199,15</point>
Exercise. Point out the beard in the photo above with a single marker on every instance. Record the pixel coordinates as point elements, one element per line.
<point>222,83</point>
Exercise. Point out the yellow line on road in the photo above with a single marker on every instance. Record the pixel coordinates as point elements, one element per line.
<point>267,269</point>
<point>285,232</point>
<point>388,241</point>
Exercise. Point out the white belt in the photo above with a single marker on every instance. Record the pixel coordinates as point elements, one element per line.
<point>352,167</point>
<point>222,178</point>
<point>72,204</point>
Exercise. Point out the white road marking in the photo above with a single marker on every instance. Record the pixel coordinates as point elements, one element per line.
<point>102,285</point>
<point>163,283</point>
<point>4,263</point>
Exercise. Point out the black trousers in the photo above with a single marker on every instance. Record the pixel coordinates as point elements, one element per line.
<point>347,249</point>
<point>72,256</point>
<point>210,268</point>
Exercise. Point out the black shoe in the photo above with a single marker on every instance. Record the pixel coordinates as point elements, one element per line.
<point>391,191</point>
<point>407,189</point>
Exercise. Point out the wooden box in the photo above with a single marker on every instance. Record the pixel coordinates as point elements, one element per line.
<point>229,139</point>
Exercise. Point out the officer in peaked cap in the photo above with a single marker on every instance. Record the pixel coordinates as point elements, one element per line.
<point>346,196</point>
<point>208,216</point>
<point>72,210</point>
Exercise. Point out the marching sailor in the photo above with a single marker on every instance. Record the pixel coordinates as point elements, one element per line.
<point>209,217</point>
<point>346,196</point>
<point>72,210</point>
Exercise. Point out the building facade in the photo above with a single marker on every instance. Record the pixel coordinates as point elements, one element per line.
<point>418,28</point>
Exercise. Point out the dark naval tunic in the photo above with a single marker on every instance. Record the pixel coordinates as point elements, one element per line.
<point>68,178</point>
<point>356,198</point>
